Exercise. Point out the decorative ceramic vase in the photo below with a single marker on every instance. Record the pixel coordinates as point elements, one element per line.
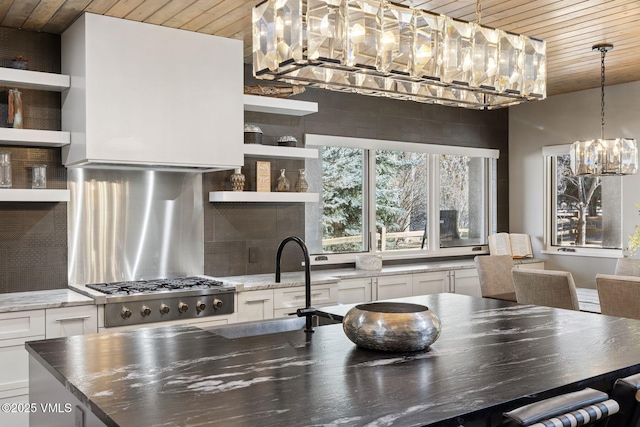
<point>282,183</point>
<point>237,180</point>
<point>15,109</point>
<point>302,186</point>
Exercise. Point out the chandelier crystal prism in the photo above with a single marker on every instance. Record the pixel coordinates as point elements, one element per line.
<point>602,157</point>
<point>384,49</point>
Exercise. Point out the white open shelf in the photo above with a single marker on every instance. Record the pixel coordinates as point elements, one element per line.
<point>34,80</point>
<point>280,152</point>
<point>34,137</point>
<point>35,195</point>
<point>254,196</point>
<point>291,107</point>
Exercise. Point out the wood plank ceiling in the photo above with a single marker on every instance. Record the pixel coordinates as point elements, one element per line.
<point>570,27</point>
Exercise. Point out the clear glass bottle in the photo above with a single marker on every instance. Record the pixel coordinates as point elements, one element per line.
<point>39,176</point>
<point>5,169</point>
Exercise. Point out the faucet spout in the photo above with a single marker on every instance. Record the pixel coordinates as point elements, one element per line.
<point>308,311</point>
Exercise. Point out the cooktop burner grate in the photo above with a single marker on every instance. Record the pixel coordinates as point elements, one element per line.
<point>156,285</point>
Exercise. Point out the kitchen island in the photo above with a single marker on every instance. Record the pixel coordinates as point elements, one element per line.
<point>492,356</point>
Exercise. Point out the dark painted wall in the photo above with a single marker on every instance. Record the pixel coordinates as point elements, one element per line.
<point>33,236</point>
<point>234,230</point>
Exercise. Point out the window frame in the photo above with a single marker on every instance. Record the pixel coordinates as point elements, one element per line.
<point>433,248</point>
<point>549,154</point>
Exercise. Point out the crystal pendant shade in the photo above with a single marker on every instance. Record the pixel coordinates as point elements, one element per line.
<point>385,49</point>
<point>601,157</point>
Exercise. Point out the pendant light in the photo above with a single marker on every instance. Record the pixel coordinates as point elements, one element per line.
<point>601,157</point>
<point>380,48</point>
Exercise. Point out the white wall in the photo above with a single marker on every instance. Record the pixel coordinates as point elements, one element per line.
<point>563,119</point>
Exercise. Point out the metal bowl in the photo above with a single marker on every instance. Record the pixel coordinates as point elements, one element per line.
<point>392,326</point>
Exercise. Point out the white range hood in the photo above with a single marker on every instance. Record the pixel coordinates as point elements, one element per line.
<point>145,96</point>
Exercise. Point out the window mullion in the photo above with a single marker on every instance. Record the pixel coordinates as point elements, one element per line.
<point>433,204</point>
<point>370,199</point>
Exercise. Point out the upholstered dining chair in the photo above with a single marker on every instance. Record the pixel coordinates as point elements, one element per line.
<point>550,288</point>
<point>586,407</point>
<point>619,295</point>
<point>494,273</point>
<point>628,267</point>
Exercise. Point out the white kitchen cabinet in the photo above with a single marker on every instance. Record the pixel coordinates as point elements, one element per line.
<point>16,328</point>
<point>466,282</point>
<point>430,283</point>
<point>149,96</point>
<point>395,286</point>
<point>352,291</point>
<point>69,321</point>
<point>255,305</point>
<point>288,300</point>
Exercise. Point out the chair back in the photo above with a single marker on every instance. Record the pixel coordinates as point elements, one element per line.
<point>628,267</point>
<point>586,407</point>
<point>549,288</point>
<point>494,273</point>
<point>619,295</point>
<point>626,393</point>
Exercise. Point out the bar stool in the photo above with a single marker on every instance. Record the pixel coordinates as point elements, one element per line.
<point>586,407</point>
<point>626,391</point>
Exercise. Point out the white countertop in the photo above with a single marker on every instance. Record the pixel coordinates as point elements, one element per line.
<point>36,300</point>
<point>256,282</point>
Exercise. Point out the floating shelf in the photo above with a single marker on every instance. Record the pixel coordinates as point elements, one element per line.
<point>254,196</point>
<point>280,152</point>
<point>33,137</point>
<point>291,107</point>
<point>34,80</point>
<point>20,195</point>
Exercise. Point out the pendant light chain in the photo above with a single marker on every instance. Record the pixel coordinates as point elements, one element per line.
<point>603,51</point>
<point>478,12</point>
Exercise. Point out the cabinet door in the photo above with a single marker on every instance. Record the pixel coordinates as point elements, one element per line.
<point>21,324</point>
<point>294,298</point>
<point>397,286</point>
<point>15,419</point>
<point>255,305</point>
<point>69,321</point>
<point>466,282</point>
<point>353,291</point>
<point>430,283</point>
<point>14,367</point>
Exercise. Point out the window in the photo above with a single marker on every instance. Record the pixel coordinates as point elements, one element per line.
<point>584,214</point>
<point>397,199</point>
<point>401,200</point>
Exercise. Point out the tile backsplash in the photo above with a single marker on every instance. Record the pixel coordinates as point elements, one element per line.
<point>33,236</point>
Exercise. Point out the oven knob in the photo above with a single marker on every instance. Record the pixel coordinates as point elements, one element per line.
<point>182,307</point>
<point>164,309</point>
<point>126,313</point>
<point>217,304</point>
<point>145,311</point>
<point>200,306</point>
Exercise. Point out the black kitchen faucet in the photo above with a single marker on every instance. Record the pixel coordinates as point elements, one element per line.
<point>308,311</point>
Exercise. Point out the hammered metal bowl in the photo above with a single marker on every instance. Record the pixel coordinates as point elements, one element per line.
<point>392,326</point>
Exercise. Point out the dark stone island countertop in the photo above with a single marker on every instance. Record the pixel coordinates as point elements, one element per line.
<point>491,356</point>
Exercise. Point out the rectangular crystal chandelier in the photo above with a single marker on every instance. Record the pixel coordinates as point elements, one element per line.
<point>381,48</point>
